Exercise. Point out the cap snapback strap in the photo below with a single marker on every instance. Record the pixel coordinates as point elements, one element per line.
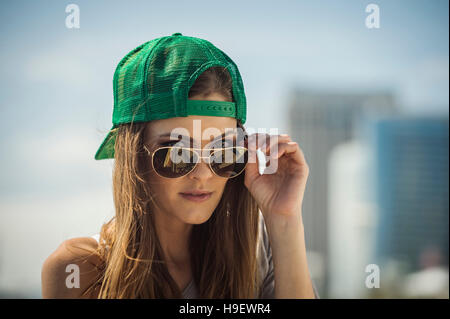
<point>211,108</point>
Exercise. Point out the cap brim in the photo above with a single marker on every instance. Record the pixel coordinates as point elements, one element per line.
<point>106,149</point>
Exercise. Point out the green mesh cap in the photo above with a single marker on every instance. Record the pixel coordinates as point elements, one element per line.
<point>152,82</point>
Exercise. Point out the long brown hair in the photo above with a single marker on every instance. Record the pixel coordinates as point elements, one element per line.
<point>222,250</point>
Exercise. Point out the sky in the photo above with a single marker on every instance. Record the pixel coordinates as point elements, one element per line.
<point>56,86</point>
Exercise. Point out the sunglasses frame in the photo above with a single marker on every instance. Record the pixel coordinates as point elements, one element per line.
<point>199,160</point>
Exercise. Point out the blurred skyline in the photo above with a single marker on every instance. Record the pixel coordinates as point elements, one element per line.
<point>57,82</point>
<point>56,91</point>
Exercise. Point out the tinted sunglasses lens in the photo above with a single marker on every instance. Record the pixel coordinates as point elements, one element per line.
<point>229,162</point>
<point>173,162</point>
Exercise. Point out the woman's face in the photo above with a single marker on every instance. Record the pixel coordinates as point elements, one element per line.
<point>167,191</point>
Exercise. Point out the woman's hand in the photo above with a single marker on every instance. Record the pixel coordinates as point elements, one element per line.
<point>279,194</point>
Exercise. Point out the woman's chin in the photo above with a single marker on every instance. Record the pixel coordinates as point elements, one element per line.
<point>196,217</point>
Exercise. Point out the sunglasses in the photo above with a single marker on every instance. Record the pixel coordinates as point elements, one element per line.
<point>176,161</point>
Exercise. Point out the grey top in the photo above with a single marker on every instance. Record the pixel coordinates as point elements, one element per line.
<point>265,267</point>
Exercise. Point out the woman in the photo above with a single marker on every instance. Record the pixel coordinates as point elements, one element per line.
<point>191,226</point>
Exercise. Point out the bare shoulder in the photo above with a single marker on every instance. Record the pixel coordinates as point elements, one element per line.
<point>70,269</point>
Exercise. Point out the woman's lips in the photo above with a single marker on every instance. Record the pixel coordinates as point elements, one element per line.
<point>196,198</point>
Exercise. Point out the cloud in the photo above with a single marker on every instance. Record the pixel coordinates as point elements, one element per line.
<point>57,162</point>
<point>62,146</point>
<point>66,64</point>
<point>426,84</point>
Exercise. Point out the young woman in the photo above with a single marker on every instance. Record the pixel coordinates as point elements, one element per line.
<point>198,229</point>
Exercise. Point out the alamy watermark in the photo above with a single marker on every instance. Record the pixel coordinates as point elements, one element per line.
<point>73,280</point>
<point>265,145</point>
<point>73,17</point>
<point>373,279</point>
<point>373,19</point>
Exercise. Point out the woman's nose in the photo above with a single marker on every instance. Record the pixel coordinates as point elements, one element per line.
<point>202,170</point>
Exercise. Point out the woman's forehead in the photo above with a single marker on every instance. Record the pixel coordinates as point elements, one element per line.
<point>209,127</point>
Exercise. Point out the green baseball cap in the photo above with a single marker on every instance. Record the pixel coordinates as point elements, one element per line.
<point>153,81</point>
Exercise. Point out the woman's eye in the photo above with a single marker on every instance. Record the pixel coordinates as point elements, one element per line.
<point>171,143</point>
<point>223,144</point>
<point>227,143</point>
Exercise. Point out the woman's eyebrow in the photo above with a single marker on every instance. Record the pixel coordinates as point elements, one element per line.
<point>192,140</point>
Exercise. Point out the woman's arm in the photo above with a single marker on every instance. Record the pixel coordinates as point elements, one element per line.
<point>292,278</point>
<point>279,193</point>
<point>59,280</point>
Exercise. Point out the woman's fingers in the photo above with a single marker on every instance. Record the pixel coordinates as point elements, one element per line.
<point>291,148</point>
<point>276,151</point>
<point>265,141</point>
<point>274,147</point>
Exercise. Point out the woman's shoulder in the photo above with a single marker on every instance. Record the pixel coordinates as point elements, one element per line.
<point>70,269</point>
